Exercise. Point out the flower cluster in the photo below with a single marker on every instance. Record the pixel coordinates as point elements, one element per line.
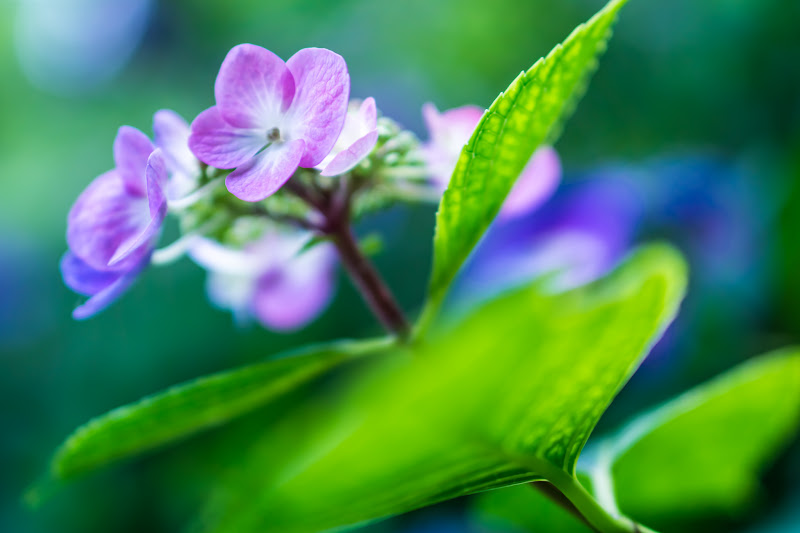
<point>266,183</point>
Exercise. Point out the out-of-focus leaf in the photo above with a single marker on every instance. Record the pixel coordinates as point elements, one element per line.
<point>510,395</point>
<point>699,456</point>
<point>196,405</point>
<point>519,120</point>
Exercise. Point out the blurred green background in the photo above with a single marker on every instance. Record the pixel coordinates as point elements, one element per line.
<point>698,100</point>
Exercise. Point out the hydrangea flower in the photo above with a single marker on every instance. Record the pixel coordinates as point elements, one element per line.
<point>450,131</point>
<point>114,224</point>
<point>577,237</point>
<point>358,138</point>
<point>272,280</point>
<point>271,116</point>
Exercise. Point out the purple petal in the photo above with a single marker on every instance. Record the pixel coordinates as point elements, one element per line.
<point>156,174</point>
<point>265,173</point>
<point>172,136</point>
<point>293,294</point>
<point>449,132</point>
<point>105,218</point>
<point>82,278</point>
<point>350,157</point>
<point>131,150</point>
<point>368,113</point>
<point>578,236</point>
<point>453,128</point>
<point>254,87</point>
<point>535,185</point>
<point>319,107</point>
<point>104,288</point>
<point>355,142</point>
<point>218,144</point>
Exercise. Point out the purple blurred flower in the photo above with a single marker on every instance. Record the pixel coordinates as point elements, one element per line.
<point>575,238</point>
<point>451,130</point>
<point>71,46</point>
<point>271,116</point>
<point>273,280</point>
<point>358,138</point>
<point>114,224</point>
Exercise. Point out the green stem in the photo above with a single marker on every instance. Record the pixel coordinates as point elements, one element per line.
<point>592,512</point>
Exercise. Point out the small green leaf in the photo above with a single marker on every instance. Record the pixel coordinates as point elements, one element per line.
<point>509,396</point>
<point>700,455</point>
<point>196,405</point>
<point>519,121</point>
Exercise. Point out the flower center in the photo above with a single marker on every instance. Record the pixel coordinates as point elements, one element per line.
<point>273,135</point>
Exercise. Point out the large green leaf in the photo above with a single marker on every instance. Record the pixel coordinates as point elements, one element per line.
<point>510,395</point>
<point>700,455</point>
<point>190,407</point>
<point>529,112</point>
<point>695,459</point>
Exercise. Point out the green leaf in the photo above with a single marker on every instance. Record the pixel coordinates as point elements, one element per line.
<point>700,455</point>
<point>196,405</point>
<point>529,112</point>
<point>508,396</point>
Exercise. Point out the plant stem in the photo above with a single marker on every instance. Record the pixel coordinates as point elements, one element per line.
<point>554,495</point>
<point>583,503</point>
<point>373,289</point>
<point>334,206</point>
<point>592,512</point>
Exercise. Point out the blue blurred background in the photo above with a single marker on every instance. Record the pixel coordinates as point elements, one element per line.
<point>697,104</point>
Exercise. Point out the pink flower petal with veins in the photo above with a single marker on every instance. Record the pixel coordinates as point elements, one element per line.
<point>254,87</point>
<point>319,107</point>
<point>265,173</point>
<point>221,145</point>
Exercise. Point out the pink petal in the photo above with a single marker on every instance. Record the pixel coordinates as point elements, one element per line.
<point>172,136</point>
<point>350,157</point>
<point>220,145</point>
<point>265,173</point>
<point>156,174</point>
<point>319,107</point>
<point>452,129</point>
<point>131,150</point>
<point>449,132</point>
<point>293,294</point>
<point>368,113</point>
<point>253,88</point>
<point>535,185</point>
<point>105,218</point>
